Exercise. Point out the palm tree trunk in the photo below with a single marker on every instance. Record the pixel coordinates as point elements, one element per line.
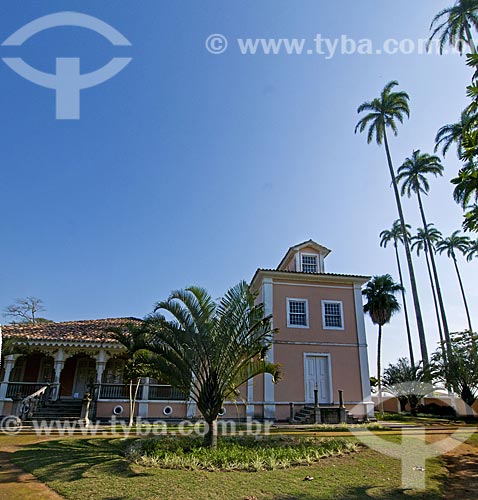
<point>435,300</point>
<point>406,243</point>
<point>405,309</point>
<point>133,402</point>
<point>444,320</point>
<point>131,409</point>
<point>379,369</point>
<point>210,439</point>
<point>470,40</point>
<point>463,295</point>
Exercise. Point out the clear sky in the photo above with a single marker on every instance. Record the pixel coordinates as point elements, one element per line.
<point>190,167</point>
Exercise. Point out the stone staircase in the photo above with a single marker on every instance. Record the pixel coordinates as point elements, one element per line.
<point>329,415</point>
<point>62,409</point>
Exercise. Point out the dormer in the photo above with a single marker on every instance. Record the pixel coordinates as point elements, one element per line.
<point>307,257</point>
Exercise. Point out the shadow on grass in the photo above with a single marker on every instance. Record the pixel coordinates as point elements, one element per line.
<point>71,459</point>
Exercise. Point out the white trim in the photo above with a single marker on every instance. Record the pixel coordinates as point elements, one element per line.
<point>307,254</point>
<point>329,363</point>
<point>313,285</point>
<point>168,411</point>
<point>268,301</point>
<point>250,397</point>
<point>324,327</point>
<point>143,409</point>
<point>332,344</point>
<point>291,299</point>
<point>363,354</point>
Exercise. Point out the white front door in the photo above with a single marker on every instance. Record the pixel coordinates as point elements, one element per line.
<point>85,375</point>
<point>317,375</point>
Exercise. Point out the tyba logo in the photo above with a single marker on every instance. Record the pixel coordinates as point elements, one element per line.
<point>68,80</point>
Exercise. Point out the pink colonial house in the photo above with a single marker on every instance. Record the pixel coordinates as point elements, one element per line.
<point>321,344</point>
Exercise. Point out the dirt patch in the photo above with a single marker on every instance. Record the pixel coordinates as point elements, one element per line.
<point>462,466</point>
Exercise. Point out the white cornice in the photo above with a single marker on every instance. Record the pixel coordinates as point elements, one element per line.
<point>343,279</point>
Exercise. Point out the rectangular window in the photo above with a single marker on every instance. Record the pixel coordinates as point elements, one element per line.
<point>309,264</point>
<point>332,315</point>
<point>297,313</point>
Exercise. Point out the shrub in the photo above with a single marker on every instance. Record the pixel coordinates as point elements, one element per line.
<point>234,454</point>
<point>435,409</point>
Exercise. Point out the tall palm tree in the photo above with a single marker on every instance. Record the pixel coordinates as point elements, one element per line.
<point>453,133</point>
<point>209,349</point>
<point>454,25</point>
<point>472,250</point>
<point>383,113</point>
<point>420,243</point>
<point>395,234</point>
<point>413,177</point>
<point>381,305</point>
<point>450,245</point>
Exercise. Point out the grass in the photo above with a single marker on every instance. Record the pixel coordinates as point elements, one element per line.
<point>86,469</point>
<point>422,418</point>
<point>235,454</point>
<point>332,428</point>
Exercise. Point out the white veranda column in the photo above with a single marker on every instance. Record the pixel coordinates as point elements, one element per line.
<point>269,397</point>
<point>9,364</point>
<point>59,363</point>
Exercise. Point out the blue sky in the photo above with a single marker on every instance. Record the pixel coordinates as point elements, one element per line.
<point>190,167</point>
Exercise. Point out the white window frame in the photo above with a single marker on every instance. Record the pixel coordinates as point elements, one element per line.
<point>324,327</point>
<point>317,260</point>
<point>289,300</point>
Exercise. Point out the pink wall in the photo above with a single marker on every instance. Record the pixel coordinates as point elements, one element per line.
<point>340,344</point>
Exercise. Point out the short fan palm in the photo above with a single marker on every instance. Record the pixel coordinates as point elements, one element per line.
<point>209,349</point>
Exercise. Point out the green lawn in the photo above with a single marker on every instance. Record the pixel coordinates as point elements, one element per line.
<point>81,469</point>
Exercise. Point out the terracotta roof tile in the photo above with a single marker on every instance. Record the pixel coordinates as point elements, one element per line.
<point>94,330</point>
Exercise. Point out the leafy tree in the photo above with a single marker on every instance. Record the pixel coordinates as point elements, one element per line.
<point>413,177</point>
<point>383,113</point>
<point>450,245</point>
<point>373,383</point>
<point>381,305</point>
<point>466,190</point>
<point>472,250</point>
<point>210,349</point>
<point>466,194</point>
<point>453,133</point>
<point>133,337</point>
<point>470,222</point>
<point>454,25</point>
<point>420,242</point>
<point>460,371</point>
<point>395,234</point>
<point>407,383</point>
<point>25,311</point>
